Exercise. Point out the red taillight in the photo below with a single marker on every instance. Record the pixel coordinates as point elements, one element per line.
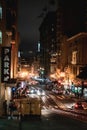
<point>83,105</point>
<point>76,105</point>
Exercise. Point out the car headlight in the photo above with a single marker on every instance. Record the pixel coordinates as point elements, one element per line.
<point>38,93</point>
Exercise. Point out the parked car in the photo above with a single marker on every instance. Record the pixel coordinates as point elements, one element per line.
<point>84,104</point>
<point>78,105</point>
<point>57,91</point>
<point>40,92</point>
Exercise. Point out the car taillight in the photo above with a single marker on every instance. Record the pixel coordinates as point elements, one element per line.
<point>76,105</point>
<point>83,105</point>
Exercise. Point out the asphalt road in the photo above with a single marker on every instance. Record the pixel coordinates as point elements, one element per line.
<point>49,121</point>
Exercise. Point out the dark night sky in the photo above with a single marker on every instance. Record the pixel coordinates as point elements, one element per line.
<point>29,19</point>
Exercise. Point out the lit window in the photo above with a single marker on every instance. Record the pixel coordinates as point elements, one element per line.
<point>74,57</point>
<point>0,12</point>
<point>52,29</point>
<point>38,47</point>
<point>0,37</point>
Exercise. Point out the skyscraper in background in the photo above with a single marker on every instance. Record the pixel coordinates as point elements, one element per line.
<point>71,19</point>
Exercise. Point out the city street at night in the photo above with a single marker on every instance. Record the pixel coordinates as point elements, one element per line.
<point>49,121</point>
<point>43,64</point>
<point>55,114</point>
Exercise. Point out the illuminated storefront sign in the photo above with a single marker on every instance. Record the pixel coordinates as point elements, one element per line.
<point>5,64</point>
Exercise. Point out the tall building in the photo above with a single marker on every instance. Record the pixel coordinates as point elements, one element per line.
<point>9,41</point>
<point>12,33</point>
<point>48,39</point>
<point>72,36</point>
<point>77,53</point>
<point>2,40</point>
<point>71,20</point>
<point>59,32</point>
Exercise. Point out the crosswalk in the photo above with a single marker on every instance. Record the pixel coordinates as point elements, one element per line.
<point>53,102</point>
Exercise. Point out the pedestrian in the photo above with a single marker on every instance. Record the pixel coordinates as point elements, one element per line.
<point>12,108</point>
<point>5,107</point>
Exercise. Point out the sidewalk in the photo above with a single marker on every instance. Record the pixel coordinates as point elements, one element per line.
<point>6,124</point>
<point>29,123</point>
<point>46,122</point>
<point>74,97</point>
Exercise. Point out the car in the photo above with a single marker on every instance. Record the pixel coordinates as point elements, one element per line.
<point>56,91</point>
<point>78,105</point>
<point>30,90</point>
<point>84,104</point>
<point>40,92</point>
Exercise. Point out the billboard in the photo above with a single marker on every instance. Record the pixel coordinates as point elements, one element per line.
<point>5,64</point>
